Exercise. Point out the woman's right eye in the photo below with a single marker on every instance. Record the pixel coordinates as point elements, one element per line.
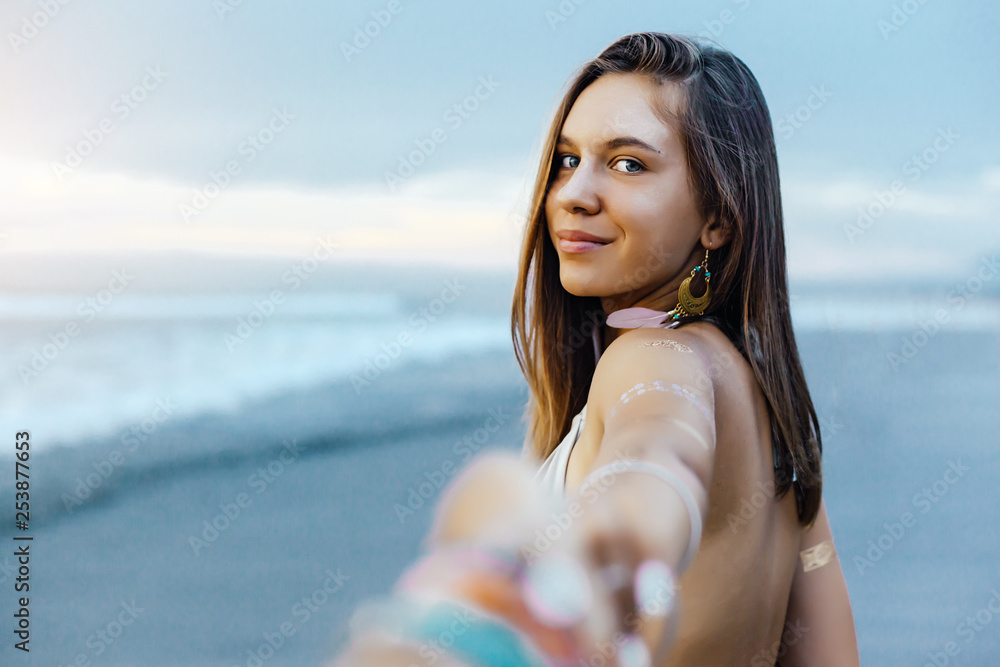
<point>563,161</point>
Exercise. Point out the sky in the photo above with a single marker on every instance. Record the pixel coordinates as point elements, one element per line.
<point>255,128</point>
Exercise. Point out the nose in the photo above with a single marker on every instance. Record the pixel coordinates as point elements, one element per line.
<point>579,191</point>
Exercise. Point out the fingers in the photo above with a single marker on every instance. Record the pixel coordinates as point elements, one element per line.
<point>492,500</point>
<point>615,559</point>
<point>612,557</point>
<point>595,561</point>
<point>635,593</point>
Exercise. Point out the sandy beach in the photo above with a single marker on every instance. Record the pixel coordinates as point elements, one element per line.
<point>249,538</point>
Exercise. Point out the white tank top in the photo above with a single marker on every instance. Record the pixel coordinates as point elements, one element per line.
<point>551,475</point>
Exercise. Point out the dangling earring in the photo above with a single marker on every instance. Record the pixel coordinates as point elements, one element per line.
<point>687,303</point>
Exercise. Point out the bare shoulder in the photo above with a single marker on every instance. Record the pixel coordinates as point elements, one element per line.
<point>697,353</point>
<point>649,375</point>
<point>648,354</point>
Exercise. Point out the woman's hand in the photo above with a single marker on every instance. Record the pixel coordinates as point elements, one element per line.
<point>572,593</point>
<point>496,503</point>
<point>635,617</point>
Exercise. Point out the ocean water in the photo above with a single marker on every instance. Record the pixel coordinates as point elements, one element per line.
<point>211,353</point>
<point>199,354</point>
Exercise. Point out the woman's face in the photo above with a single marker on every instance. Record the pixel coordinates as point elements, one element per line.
<point>622,177</point>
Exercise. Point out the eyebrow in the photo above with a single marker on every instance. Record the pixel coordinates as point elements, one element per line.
<point>612,144</point>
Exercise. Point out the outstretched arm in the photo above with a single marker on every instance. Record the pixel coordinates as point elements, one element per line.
<point>819,605</point>
<point>654,396</point>
<point>656,406</point>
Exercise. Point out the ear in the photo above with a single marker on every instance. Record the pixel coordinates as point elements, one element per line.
<point>716,233</point>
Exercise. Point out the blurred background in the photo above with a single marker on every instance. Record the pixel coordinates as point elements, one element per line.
<point>256,264</point>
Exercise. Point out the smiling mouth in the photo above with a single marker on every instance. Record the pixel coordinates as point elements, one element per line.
<point>580,246</point>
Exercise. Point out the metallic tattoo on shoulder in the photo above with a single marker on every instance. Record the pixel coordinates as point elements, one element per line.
<point>671,344</point>
<point>817,556</point>
<point>672,388</point>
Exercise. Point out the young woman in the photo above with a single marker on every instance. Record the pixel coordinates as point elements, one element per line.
<point>669,415</point>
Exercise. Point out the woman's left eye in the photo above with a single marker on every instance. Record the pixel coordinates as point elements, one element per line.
<point>631,166</point>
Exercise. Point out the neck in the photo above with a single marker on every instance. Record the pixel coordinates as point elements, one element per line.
<point>664,299</point>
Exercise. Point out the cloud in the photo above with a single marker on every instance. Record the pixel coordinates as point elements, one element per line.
<point>850,227</point>
<point>472,218</point>
<point>460,218</point>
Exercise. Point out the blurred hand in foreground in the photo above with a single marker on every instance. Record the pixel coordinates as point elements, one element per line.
<point>501,546</point>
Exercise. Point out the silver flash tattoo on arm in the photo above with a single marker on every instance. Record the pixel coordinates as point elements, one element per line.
<point>672,388</point>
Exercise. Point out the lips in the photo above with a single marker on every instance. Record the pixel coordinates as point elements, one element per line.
<point>574,241</point>
<point>576,235</point>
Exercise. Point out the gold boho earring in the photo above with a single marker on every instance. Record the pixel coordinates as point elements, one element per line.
<point>687,303</point>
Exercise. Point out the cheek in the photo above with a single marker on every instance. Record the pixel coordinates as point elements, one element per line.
<point>654,240</point>
<point>659,217</point>
<point>549,207</point>
<point>664,203</point>
<point>547,227</point>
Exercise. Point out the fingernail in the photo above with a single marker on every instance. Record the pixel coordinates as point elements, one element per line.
<point>633,652</point>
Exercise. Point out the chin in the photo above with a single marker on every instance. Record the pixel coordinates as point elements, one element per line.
<point>583,276</point>
<point>582,286</point>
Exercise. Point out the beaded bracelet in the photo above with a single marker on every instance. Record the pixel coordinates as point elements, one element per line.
<point>442,624</point>
<point>504,590</point>
<point>524,612</point>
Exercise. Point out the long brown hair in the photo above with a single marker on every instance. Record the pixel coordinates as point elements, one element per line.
<point>728,141</point>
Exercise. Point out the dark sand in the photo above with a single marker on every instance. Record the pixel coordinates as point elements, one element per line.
<point>888,435</point>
